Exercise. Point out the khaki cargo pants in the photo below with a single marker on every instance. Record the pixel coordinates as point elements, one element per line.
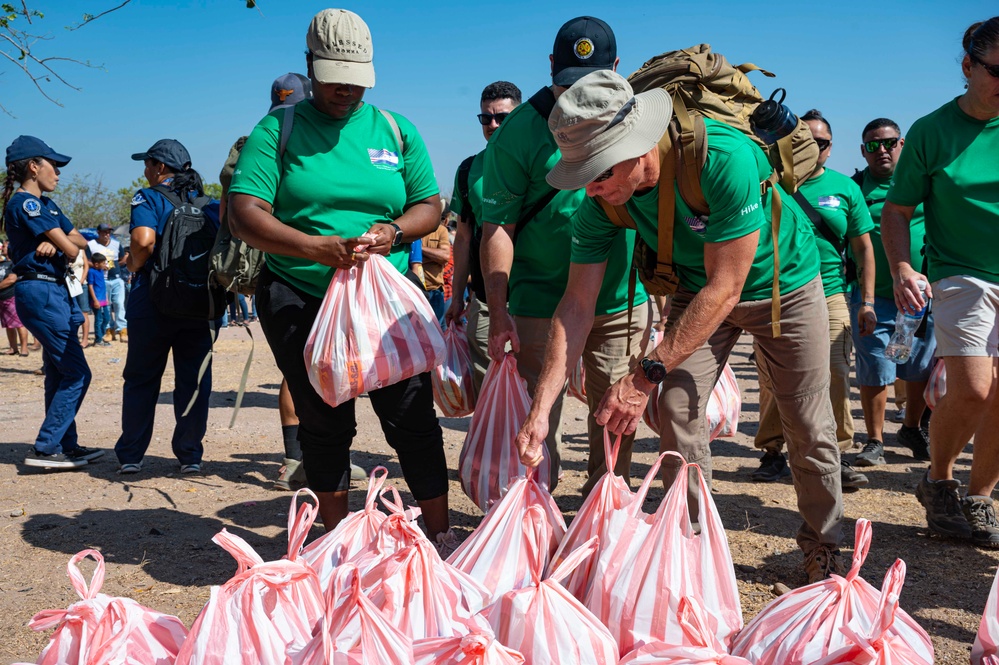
<point>798,365</point>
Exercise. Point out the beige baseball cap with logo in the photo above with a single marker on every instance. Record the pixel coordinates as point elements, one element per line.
<point>340,43</point>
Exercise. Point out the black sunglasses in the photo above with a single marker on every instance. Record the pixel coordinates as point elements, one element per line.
<point>993,70</point>
<point>889,144</point>
<point>486,118</point>
<point>605,175</point>
<point>823,144</point>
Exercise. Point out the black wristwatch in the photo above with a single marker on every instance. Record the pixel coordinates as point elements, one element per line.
<point>398,234</point>
<point>654,370</point>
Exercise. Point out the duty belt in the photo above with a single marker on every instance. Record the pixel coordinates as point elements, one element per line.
<point>41,277</point>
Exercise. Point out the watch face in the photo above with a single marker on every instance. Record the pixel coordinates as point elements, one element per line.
<point>655,371</point>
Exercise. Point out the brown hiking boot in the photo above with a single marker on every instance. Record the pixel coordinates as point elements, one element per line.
<point>942,501</point>
<point>822,562</point>
<point>123,335</point>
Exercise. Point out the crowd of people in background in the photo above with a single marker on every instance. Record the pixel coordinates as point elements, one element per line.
<point>534,254</point>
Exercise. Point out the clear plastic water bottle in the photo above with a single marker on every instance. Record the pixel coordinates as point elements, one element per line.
<point>900,346</point>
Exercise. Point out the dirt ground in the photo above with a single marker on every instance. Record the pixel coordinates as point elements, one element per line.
<point>155,528</point>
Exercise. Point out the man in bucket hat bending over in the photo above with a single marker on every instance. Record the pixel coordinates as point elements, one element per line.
<point>612,144</point>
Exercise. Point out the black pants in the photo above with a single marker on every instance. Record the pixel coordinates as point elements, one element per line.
<point>405,409</point>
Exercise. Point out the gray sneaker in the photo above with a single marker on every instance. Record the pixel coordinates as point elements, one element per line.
<point>53,461</point>
<point>873,454</point>
<point>981,516</point>
<point>850,478</point>
<point>944,514</point>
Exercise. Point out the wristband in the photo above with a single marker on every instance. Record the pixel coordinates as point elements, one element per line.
<point>866,304</point>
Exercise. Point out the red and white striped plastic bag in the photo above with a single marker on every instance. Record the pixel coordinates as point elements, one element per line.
<point>986,648</point>
<point>610,493</point>
<point>454,388</point>
<point>548,625</point>
<point>652,564</point>
<point>354,534</point>
<point>805,624</point>
<point>722,414</point>
<point>397,532</point>
<point>130,634</point>
<point>936,386</point>
<point>577,383</point>
<point>423,596</point>
<point>101,630</point>
<point>265,607</point>
<point>489,461</point>
<point>699,645</point>
<point>476,648</point>
<point>374,328</point>
<point>497,553</point>
<point>880,645</point>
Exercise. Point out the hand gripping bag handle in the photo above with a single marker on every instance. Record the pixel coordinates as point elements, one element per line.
<point>51,618</point>
<point>611,451</point>
<point>300,520</point>
<point>635,508</point>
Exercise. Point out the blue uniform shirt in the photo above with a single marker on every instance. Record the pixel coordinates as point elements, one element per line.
<point>151,209</point>
<point>26,219</point>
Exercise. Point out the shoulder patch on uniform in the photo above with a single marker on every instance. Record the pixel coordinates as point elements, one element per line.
<point>138,199</point>
<point>32,207</point>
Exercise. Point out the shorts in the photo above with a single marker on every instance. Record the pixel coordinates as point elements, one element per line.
<point>8,314</point>
<point>965,310</point>
<point>873,369</point>
<point>83,302</point>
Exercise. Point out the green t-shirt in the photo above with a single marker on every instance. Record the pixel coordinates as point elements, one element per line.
<point>731,179</point>
<point>950,162</point>
<point>841,205</point>
<point>875,191</point>
<point>474,202</point>
<point>337,177</point>
<point>518,157</point>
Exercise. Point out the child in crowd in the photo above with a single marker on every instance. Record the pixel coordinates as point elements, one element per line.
<point>99,298</point>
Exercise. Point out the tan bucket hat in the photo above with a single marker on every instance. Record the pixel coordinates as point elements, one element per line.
<point>600,122</point>
<point>340,43</point>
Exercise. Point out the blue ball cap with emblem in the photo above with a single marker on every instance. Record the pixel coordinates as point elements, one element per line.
<point>290,89</point>
<point>583,45</point>
<point>26,147</point>
<point>168,151</point>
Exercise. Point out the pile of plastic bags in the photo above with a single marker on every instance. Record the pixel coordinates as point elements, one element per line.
<point>619,586</point>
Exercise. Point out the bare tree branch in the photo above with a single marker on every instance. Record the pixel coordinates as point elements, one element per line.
<point>87,18</point>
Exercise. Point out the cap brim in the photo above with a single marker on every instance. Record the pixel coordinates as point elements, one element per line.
<point>341,71</point>
<point>59,160</point>
<point>140,156</point>
<point>654,109</point>
<point>570,75</point>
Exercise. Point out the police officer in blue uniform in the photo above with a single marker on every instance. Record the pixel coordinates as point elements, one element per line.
<point>152,334</point>
<point>42,241</point>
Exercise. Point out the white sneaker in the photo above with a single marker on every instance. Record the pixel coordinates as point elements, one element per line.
<point>446,543</point>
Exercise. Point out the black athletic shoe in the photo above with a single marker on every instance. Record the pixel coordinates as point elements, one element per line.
<point>944,514</point>
<point>851,479</point>
<point>873,454</point>
<point>915,439</point>
<point>981,516</point>
<point>773,467</point>
<point>87,454</point>
<point>53,461</point>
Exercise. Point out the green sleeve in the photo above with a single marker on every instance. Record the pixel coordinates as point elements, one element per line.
<point>418,170</point>
<point>258,171</point>
<point>593,234</point>
<point>504,183</point>
<point>910,184</point>
<point>731,187</point>
<point>858,221</point>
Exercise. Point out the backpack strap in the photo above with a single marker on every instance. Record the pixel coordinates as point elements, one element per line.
<point>286,124</point>
<point>858,177</point>
<point>839,244</point>
<point>543,102</point>
<point>464,171</point>
<point>776,207</point>
<point>395,129</point>
<point>689,137</point>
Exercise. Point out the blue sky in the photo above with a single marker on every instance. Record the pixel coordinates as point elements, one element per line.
<point>200,71</point>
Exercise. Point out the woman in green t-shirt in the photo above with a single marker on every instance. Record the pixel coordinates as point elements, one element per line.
<point>949,164</point>
<point>345,182</point>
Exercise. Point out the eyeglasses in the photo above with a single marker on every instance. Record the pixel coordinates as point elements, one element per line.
<point>823,144</point>
<point>889,144</point>
<point>486,118</point>
<point>605,175</point>
<point>993,70</point>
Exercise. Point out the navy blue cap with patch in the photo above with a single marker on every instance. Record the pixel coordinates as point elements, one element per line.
<point>289,90</point>
<point>168,151</point>
<point>25,147</point>
<point>583,45</point>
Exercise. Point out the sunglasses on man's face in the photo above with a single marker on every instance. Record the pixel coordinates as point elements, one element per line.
<point>823,144</point>
<point>486,118</point>
<point>605,175</point>
<point>888,144</point>
<point>993,70</point>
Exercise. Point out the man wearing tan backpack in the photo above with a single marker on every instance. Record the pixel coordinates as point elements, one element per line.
<point>616,145</point>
